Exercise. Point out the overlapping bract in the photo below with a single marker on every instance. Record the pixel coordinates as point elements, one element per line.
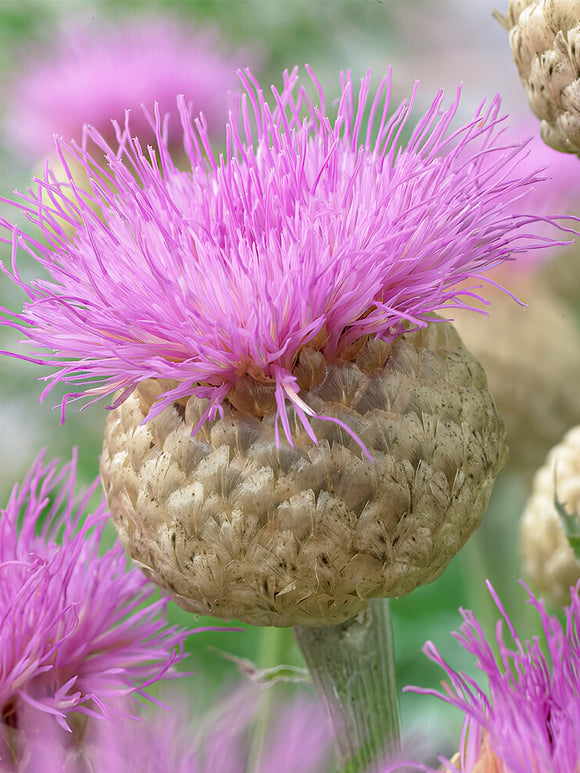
<point>73,631</point>
<point>311,233</point>
<point>544,37</point>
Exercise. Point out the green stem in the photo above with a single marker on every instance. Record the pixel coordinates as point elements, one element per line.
<point>353,670</point>
<point>271,648</point>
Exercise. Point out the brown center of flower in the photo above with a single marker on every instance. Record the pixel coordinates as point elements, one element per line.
<point>254,392</point>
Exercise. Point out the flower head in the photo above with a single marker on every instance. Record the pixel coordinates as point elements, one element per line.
<point>529,718</point>
<point>93,73</point>
<point>238,279</point>
<point>73,634</point>
<point>551,514</point>
<point>544,37</point>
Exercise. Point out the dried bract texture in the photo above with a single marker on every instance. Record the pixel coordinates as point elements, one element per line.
<point>549,561</point>
<point>308,234</point>
<point>236,526</point>
<point>528,717</point>
<point>545,40</point>
<point>93,72</point>
<point>72,633</point>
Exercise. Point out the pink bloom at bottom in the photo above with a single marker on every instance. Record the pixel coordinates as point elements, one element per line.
<point>78,629</point>
<point>529,719</point>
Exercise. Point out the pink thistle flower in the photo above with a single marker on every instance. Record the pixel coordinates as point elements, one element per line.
<point>73,631</point>
<point>309,234</point>
<point>93,73</point>
<point>529,719</point>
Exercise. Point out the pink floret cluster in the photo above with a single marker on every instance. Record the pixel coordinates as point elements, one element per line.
<point>315,228</point>
<point>73,633</point>
<point>528,717</point>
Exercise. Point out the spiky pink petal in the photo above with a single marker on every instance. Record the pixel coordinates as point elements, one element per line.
<point>310,231</point>
<point>529,715</point>
<point>77,627</point>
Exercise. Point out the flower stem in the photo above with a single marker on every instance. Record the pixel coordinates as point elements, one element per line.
<point>271,648</point>
<point>353,669</point>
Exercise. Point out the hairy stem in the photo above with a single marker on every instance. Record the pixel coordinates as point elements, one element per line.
<point>353,669</point>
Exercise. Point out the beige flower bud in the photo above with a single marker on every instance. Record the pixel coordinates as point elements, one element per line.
<point>548,559</point>
<point>545,41</point>
<point>236,527</point>
<point>532,359</point>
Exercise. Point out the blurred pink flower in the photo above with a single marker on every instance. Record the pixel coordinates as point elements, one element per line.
<point>167,740</point>
<point>310,232</point>
<point>74,630</point>
<point>93,72</point>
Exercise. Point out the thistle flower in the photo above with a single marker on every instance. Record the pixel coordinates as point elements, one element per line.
<point>544,38</point>
<point>92,73</point>
<point>72,633</point>
<point>549,560</point>
<point>529,720</point>
<point>303,242</point>
<point>292,284</point>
